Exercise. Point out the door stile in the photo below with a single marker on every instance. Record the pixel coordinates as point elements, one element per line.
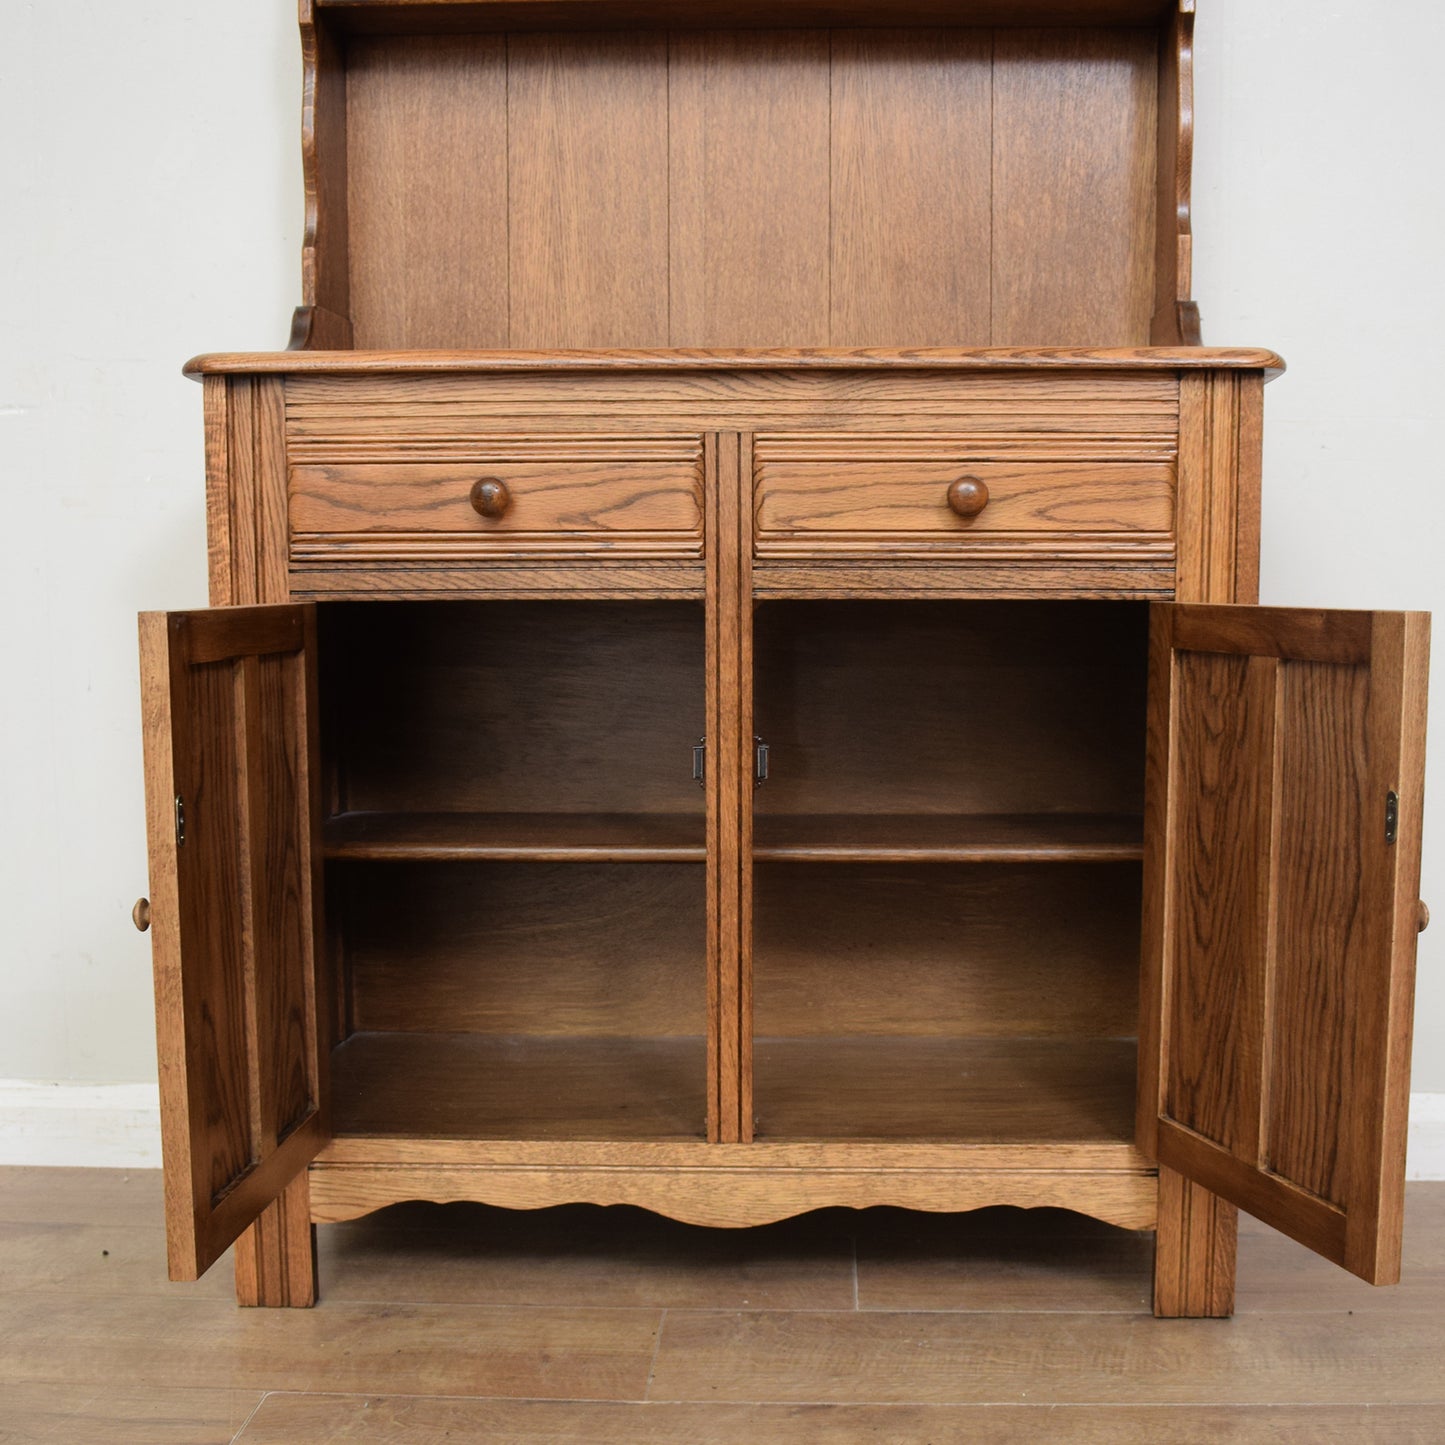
<point>1400,663</point>
<point>728,780</point>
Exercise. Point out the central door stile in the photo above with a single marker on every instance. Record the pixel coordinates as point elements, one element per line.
<point>729,772</point>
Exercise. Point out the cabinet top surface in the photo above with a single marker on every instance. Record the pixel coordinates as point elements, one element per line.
<point>851,359</point>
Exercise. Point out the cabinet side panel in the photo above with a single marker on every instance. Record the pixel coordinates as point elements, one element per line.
<point>1074,141</point>
<point>427,173</point>
<point>910,195</point>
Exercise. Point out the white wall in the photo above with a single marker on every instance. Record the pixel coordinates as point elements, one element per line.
<point>152,210</point>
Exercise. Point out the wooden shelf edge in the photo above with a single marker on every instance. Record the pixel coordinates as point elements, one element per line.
<point>527,838</point>
<point>1008,358</point>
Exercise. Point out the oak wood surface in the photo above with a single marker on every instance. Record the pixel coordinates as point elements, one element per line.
<point>935,949</point>
<point>1002,1090</point>
<point>1279,946</point>
<point>581,948</point>
<point>946,838</point>
<point>1031,358</point>
<point>232,811</point>
<point>481,1086</point>
<point>534,837</point>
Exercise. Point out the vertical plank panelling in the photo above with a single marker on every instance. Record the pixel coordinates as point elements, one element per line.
<point>241,484</point>
<point>428,255</point>
<point>749,246</point>
<point>910,203</point>
<point>1073,187</point>
<point>219,546</point>
<point>1320,930</point>
<point>1224,727</point>
<point>587,202</point>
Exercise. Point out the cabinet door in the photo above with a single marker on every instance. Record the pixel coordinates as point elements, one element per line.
<point>232,804</point>
<point>1282,869</point>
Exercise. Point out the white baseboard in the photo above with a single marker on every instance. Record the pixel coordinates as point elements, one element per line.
<point>100,1126</point>
<point>117,1126</point>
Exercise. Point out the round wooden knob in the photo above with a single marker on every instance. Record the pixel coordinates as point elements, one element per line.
<point>140,915</point>
<point>968,496</point>
<point>1422,919</point>
<point>490,497</point>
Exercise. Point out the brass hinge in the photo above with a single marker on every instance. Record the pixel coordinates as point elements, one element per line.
<point>699,762</point>
<point>1392,817</point>
<point>180,820</point>
<point>760,762</point>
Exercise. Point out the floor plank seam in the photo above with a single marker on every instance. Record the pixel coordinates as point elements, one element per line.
<point>652,1363</point>
<point>265,1395</point>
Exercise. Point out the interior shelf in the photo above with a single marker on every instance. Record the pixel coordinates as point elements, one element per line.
<point>969,1090</point>
<point>491,1086</point>
<point>520,837</point>
<point>947,838</point>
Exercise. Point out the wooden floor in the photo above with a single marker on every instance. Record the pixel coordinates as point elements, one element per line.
<point>582,1324</point>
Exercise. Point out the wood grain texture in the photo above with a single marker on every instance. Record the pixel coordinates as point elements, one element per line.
<point>1074,117</point>
<point>1285,998</point>
<point>276,1257</point>
<point>1029,358</point>
<point>592,949</point>
<point>516,707</point>
<point>325,244</point>
<point>1194,1251</point>
<point>463,16</point>
<point>736,1198</point>
<point>507,837</point>
<point>1174,240</point>
<point>934,838</point>
<point>586,497</point>
<point>951,707</point>
<point>429,260</point>
<point>950,1088</point>
<point>910,235</point>
<point>235,914</point>
<point>750,183</point>
<point>729,787</point>
<point>488,1086</point>
<point>936,949</point>
<point>586,189</point>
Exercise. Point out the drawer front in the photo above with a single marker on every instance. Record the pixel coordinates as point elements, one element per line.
<point>852,493</point>
<point>585,495</point>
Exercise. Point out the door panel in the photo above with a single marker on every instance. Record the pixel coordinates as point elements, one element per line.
<point>1279,948</point>
<point>232,812</point>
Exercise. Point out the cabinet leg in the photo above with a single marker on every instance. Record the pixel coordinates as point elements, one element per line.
<point>276,1257</point>
<point>1194,1251</point>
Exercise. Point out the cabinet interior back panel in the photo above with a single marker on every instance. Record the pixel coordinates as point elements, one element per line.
<point>752,188</point>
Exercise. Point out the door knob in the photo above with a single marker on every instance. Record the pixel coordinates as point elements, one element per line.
<point>968,496</point>
<point>140,915</point>
<point>490,497</point>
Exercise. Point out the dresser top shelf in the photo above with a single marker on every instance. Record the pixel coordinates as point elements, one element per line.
<point>989,358</point>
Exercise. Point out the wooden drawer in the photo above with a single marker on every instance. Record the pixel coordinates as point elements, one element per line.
<point>892,493</point>
<point>556,495</point>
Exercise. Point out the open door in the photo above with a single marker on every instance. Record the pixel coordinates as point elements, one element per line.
<point>232,806</point>
<point>1281,905</point>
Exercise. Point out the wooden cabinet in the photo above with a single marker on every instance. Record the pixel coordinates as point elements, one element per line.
<point>733,780</point>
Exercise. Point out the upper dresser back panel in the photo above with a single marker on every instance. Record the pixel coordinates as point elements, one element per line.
<point>960,186</point>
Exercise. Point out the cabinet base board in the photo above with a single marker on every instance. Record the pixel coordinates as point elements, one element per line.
<point>733,1196</point>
